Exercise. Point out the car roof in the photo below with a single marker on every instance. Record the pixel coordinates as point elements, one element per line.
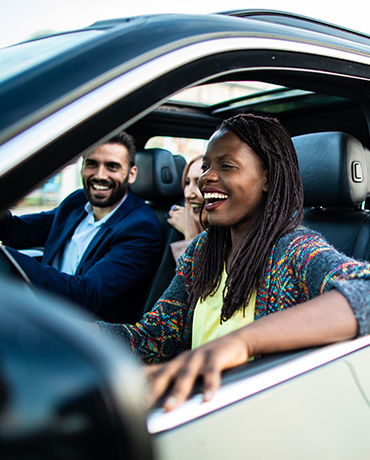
<point>65,93</point>
<point>70,64</point>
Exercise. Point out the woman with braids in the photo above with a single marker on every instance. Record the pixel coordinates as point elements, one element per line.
<point>230,298</point>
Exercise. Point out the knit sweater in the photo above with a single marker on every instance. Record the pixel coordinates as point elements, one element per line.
<point>301,266</point>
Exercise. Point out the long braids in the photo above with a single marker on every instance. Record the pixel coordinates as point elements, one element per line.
<point>283,212</point>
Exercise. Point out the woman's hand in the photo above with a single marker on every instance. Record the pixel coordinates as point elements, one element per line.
<point>177,218</point>
<point>183,220</point>
<point>207,361</point>
<point>325,319</point>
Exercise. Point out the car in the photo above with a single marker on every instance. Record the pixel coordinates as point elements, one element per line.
<point>67,394</point>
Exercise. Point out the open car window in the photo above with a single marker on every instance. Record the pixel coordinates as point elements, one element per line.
<point>52,192</point>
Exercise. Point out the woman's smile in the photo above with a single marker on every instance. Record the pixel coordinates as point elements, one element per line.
<point>213,198</point>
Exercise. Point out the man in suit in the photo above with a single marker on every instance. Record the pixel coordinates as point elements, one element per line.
<point>100,243</point>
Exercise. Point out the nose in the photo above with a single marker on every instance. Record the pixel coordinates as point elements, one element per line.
<point>190,191</point>
<point>101,172</point>
<point>208,176</point>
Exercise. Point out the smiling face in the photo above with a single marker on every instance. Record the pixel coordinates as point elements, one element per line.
<point>106,174</point>
<point>193,197</point>
<point>234,183</point>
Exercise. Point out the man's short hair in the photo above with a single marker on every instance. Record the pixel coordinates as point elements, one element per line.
<point>127,141</point>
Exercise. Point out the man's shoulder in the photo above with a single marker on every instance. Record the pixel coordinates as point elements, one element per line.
<point>135,208</point>
<point>76,197</point>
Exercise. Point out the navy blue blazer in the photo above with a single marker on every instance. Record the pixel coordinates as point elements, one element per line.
<point>109,278</point>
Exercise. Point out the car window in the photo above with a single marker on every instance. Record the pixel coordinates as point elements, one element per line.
<point>188,148</point>
<point>215,93</point>
<point>52,191</point>
<point>14,60</point>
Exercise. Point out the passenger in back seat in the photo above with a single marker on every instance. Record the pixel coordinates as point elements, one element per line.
<point>191,219</point>
<point>255,259</point>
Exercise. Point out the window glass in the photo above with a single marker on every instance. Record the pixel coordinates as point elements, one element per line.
<point>188,148</point>
<point>215,93</point>
<point>52,192</point>
<point>19,58</point>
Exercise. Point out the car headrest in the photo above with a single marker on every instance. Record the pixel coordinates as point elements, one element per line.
<point>159,175</point>
<point>334,168</point>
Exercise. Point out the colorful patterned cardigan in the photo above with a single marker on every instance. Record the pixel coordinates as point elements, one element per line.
<point>301,266</point>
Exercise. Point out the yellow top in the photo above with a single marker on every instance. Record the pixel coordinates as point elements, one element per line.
<point>206,320</point>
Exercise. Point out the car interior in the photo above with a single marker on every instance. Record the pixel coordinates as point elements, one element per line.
<point>330,135</point>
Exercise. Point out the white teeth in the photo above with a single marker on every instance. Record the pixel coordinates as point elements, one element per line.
<point>195,205</point>
<point>100,187</point>
<point>215,196</point>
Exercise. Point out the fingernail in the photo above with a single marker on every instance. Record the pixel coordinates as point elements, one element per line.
<point>170,402</point>
<point>207,395</point>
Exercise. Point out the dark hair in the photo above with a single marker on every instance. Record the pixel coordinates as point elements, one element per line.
<point>127,141</point>
<point>282,213</point>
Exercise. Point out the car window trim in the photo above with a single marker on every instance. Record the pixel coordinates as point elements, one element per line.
<point>232,392</point>
<point>45,131</point>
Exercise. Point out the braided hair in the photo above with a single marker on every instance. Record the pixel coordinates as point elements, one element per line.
<point>283,212</point>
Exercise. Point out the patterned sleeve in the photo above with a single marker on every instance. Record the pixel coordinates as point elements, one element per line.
<point>319,268</point>
<point>165,331</point>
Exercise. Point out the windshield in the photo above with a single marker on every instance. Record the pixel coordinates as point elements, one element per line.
<point>24,56</point>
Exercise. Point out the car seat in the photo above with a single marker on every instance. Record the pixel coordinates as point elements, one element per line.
<point>335,172</point>
<point>159,183</point>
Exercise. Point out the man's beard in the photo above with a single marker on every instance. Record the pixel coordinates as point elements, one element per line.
<point>116,195</point>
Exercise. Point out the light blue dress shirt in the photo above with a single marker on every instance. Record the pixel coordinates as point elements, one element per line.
<point>67,261</point>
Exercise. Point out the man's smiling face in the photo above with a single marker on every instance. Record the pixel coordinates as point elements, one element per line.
<point>106,174</point>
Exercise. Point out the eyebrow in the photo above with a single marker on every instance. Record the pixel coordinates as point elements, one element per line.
<point>107,163</point>
<point>219,156</point>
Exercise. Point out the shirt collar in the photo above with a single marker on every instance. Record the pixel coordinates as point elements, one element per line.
<point>91,217</point>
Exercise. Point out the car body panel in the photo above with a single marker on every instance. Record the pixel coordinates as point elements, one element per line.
<point>321,414</point>
<point>63,394</point>
<point>259,376</point>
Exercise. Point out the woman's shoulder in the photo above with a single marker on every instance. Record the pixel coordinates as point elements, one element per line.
<point>186,260</point>
<point>301,236</point>
<point>197,243</point>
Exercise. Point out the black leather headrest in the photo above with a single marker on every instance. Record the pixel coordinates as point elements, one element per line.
<point>159,175</point>
<point>334,169</point>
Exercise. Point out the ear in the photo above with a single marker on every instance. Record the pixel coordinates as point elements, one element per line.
<point>132,175</point>
<point>265,186</point>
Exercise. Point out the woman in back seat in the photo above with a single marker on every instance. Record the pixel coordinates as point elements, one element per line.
<point>191,219</point>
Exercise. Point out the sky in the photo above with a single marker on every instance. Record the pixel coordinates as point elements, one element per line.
<point>20,19</point>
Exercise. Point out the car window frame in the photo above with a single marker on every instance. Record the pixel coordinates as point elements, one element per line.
<point>19,152</point>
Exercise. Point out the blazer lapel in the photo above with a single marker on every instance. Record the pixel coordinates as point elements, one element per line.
<point>64,231</point>
<point>120,214</point>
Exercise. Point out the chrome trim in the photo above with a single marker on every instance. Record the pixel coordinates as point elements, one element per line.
<point>44,132</point>
<point>232,392</point>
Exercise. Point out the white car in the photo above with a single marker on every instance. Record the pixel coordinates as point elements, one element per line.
<point>64,394</point>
